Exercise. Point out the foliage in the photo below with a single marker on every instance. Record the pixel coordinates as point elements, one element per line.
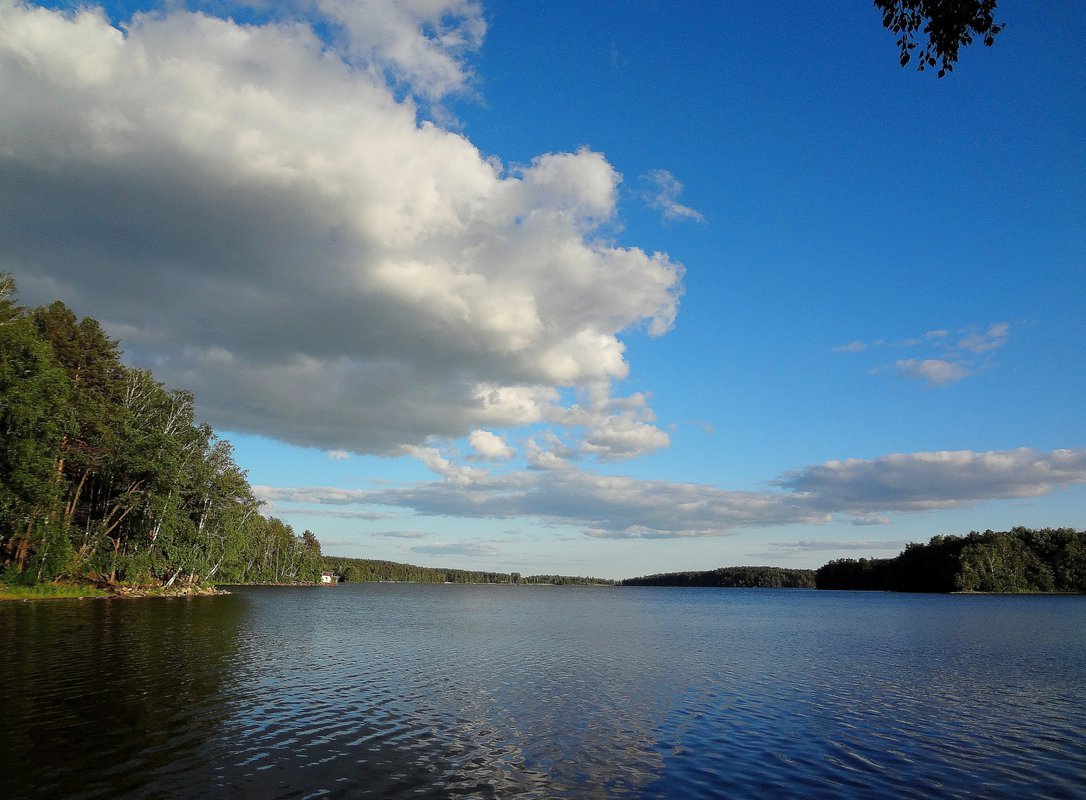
<point>362,570</point>
<point>106,476</point>
<point>1019,560</point>
<point>948,24</point>
<point>733,578</point>
<point>563,580</point>
<point>35,418</point>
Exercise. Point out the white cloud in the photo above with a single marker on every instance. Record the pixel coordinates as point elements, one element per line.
<point>421,42</point>
<point>490,446</point>
<point>622,436</point>
<point>613,428</point>
<point>934,371</point>
<point>661,192</point>
<point>270,225</point>
<point>556,456</point>
<point>338,455</point>
<point>453,473</point>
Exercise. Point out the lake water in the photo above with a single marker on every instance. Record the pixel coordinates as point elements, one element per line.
<point>391,690</point>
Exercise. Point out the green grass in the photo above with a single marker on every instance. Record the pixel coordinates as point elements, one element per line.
<point>49,591</point>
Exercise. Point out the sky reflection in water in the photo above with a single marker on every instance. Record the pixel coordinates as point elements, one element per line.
<point>397,691</point>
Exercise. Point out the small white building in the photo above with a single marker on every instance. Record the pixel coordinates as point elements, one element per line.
<point>328,577</point>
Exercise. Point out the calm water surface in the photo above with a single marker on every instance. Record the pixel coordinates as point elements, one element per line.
<point>387,690</point>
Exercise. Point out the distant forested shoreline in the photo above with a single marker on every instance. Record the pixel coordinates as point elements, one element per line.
<point>368,570</point>
<point>733,578</point>
<point>1021,560</point>
<point>1016,561</point>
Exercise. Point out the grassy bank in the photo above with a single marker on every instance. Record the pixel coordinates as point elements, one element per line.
<point>62,591</point>
<point>50,591</point>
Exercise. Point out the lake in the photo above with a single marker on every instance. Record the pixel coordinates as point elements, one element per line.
<point>394,690</point>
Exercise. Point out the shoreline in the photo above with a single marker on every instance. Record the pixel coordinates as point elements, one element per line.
<point>90,591</point>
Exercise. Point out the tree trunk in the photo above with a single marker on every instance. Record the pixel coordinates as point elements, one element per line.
<point>69,509</point>
<point>169,583</point>
<point>215,568</point>
<point>22,551</point>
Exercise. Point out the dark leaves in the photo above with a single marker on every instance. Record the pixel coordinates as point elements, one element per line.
<point>947,24</point>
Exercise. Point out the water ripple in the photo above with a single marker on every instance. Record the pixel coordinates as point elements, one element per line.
<point>450,691</point>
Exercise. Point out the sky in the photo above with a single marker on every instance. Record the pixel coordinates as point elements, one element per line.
<point>597,289</point>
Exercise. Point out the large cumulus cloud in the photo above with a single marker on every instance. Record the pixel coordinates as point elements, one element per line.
<point>265,219</point>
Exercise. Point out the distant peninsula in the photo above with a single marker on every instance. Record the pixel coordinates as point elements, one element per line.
<point>368,570</point>
<point>1021,560</point>
<point>733,578</point>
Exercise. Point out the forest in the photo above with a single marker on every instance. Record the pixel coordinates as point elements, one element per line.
<point>1018,560</point>
<point>361,570</point>
<point>106,477</point>
<point>733,578</point>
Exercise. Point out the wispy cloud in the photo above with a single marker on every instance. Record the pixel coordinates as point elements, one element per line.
<point>328,544</point>
<point>933,371</point>
<point>279,511</point>
<point>851,347</point>
<point>661,190</point>
<point>868,518</point>
<point>706,427</point>
<point>323,495</point>
<point>338,455</point>
<point>934,480</point>
<point>992,339</point>
<point>863,491</point>
<point>618,61</point>
<point>947,358</point>
<point>400,534</point>
<point>468,548</point>
<point>820,545</point>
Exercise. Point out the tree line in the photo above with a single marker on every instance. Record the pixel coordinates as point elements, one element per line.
<point>106,476</point>
<point>363,570</point>
<point>1018,560</point>
<point>1015,561</point>
<point>733,578</point>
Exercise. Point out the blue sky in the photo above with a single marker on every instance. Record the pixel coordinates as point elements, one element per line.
<point>596,290</point>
